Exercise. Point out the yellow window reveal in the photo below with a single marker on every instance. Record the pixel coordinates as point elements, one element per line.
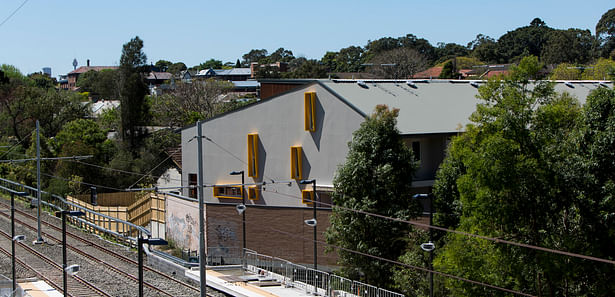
<point>295,162</point>
<point>310,111</point>
<point>228,192</point>
<point>253,193</point>
<point>307,196</point>
<point>253,155</point>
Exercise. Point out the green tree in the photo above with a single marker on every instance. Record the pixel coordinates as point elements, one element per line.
<point>177,68</point>
<point>211,63</point>
<point>603,69</point>
<point>571,46</point>
<point>484,48</point>
<point>505,177</point>
<point>449,70</point>
<point>307,69</point>
<point>189,102</point>
<point>406,62</point>
<point>376,178</point>
<point>133,90</point>
<point>566,71</point>
<point>605,32</point>
<point>255,55</point>
<point>524,41</point>
<point>163,65</point>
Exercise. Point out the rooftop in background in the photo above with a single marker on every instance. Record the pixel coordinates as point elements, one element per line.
<point>159,75</point>
<point>84,69</point>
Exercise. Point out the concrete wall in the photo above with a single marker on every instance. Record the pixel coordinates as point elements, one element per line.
<point>433,150</point>
<point>279,123</point>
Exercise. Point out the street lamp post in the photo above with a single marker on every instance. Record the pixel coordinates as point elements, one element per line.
<point>243,213</point>
<point>13,236</point>
<point>429,246</point>
<point>313,221</point>
<point>73,268</point>
<point>140,242</point>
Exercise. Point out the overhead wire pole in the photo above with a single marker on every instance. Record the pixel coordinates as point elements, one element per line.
<point>39,238</point>
<point>202,254</point>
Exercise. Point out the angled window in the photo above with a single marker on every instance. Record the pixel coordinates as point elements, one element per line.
<point>253,155</point>
<point>310,111</point>
<point>228,192</point>
<point>307,197</point>
<point>416,150</point>
<point>296,171</point>
<point>192,183</point>
<point>253,193</point>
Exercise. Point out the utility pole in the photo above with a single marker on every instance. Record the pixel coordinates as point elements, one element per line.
<point>202,254</point>
<point>39,238</point>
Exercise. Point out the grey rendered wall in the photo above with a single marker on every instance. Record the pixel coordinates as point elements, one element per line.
<point>279,123</point>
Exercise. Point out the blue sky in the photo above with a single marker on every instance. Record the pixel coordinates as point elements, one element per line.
<point>51,33</point>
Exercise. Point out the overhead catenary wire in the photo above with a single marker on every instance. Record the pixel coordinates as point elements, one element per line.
<point>148,173</point>
<point>13,13</point>
<point>404,264</point>
<point>496,240</point>
<point>15,145</point>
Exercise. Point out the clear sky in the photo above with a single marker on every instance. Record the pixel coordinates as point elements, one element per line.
<point>46,33</point>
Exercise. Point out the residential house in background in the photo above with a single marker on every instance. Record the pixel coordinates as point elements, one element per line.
<point>233,74</point>
<point>302,132</point>
<point>73,76</point>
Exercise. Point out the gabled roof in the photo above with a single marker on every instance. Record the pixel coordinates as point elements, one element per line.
<point>159,75</point>
<point>84,69</point>
<point>425,106</point>
<point>429,106</point>
<point>430,73</point>
<point>226,72</point>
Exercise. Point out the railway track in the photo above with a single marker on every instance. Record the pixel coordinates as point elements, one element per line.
<point>117,268</point>
<point>51,272</point>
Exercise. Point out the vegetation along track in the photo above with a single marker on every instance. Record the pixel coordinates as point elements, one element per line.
<point>117,266</point>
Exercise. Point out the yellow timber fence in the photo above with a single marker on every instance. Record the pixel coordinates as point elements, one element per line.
<point>146,211</point>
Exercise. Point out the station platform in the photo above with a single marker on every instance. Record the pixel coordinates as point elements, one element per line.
<point>236,282</point>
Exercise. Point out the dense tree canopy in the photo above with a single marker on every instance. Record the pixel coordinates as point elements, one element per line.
<point>377,178</point>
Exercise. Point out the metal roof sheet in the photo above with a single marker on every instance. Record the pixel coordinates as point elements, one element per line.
<point>434,106</point>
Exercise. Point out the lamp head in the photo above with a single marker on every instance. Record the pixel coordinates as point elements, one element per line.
<point>428,246</point>
<point>420,196</point>
<point>236,172</point>
<point>72,269</point>
<point>19,238</point>
<point>156,241</point>
<point>306,181</point>
<point>240,208</point>
<point>311,222</point>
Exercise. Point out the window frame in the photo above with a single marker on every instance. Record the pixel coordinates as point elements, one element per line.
<point>253,192</point>
<point>217,194</point>
<point>311,195</point>
<point>296,162</point>
<point>309,109</point>
<point>253,155</point>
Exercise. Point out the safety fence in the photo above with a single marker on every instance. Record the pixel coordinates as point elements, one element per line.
<point>121,230</point>
<point>311,280</point>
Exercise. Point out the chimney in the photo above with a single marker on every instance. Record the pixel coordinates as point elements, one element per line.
<point>88,62</point>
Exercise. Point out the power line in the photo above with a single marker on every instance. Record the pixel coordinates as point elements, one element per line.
<point>404,264</point>
<point>148,173</point>
<point>15,145</point>
<point>14,12</point>
<point>496,240</point>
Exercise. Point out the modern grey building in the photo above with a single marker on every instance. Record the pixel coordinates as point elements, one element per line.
<point>303,134</point>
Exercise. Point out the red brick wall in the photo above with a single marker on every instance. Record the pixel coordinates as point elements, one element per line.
<point>262,231</point>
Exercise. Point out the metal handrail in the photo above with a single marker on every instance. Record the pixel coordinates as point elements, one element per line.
<point>141,229</point>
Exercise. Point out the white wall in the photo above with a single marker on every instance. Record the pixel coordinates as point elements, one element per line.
<point>279,123</point>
